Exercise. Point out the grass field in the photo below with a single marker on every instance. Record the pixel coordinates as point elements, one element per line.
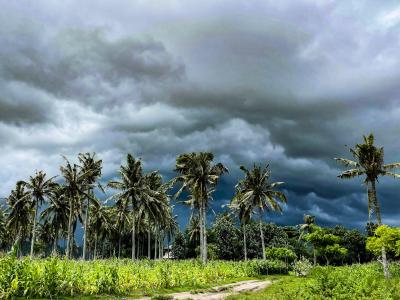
<point>45,278</point>
<point>348,282</point>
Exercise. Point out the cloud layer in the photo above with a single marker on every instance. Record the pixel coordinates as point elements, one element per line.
<point>253,81</point>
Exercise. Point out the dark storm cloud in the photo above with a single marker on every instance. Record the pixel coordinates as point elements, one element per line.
<point>253,81</point>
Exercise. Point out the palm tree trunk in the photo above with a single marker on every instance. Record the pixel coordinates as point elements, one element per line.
<point>262,237</point>
<point>374,199</point>
<point>95,247</point>
<point>133,239</point>
<point>201,232</point>
<point>119,245</point>
<point>161,242</point>
<point>204,234</point>
<point>315,256</point>
<point>85,230</point>
<point>148,244</point>
<point>34,228</point>
<point>138,246</point>
<point>244,242</point>
<point>168,242</point>
<point>17,243</point>
<point>54,252</point>
<point>155,245</point>
<point>67,254</point>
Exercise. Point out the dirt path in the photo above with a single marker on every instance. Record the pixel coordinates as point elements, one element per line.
<point>223,291</point>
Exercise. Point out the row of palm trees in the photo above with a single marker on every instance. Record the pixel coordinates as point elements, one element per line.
<point>140,197</point>
<point>139,201</point>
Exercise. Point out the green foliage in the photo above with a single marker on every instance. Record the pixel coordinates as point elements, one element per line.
<point>274,236</point>
<point>179,248</point>
<point>268,267</point>
<point>54,277</point>
<point>227,238</point>
<point>302,267</point>
<point>280,253</point>
<point>385,236</point>
<point>212,251</point>
<point>341,283</point>
<point>327,244</point>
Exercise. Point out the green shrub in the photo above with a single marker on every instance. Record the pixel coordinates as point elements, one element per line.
<point>302,267</point>
<point>268,267</point>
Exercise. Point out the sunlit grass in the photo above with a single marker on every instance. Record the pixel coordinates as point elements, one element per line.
<point>60,277</point>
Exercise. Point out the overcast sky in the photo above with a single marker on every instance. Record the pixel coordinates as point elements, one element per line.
<point>284,82</point>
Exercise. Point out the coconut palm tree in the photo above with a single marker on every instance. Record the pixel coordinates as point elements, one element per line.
<point>255,192</point>
<point>99,224</point>
<point>309,222</point>
<point>199,176</point>
<point>171,227</point>
<point>369,162</point>
<point>19,214</point>
<point>39,188</point>
<point>121,214</point>
<point>244,216</point>
<point>132,187</point>
<point>75,188</point>
<point>154,204</point>
<point>56,213</point>
<point>91,168</point>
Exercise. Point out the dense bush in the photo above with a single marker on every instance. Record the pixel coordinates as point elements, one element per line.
<point>302,267</point>
<point>267,267</point>
<point>59,277</point>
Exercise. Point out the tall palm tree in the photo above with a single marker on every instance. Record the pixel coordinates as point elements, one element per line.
<point>91,167</point>
<point>155,204</point>
<point>244,216</point>
<point>199,176</point>
<point>99,224</point>
<point>19,214</point>
<point>39,188</point>
<point>76,187</point>
<point>255,192</point>
<point>171,227</point>
<point>132,187</point>
<point>56,213</point>
<point>368,162</point>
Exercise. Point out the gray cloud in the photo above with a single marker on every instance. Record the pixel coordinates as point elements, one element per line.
<point>286,83</point>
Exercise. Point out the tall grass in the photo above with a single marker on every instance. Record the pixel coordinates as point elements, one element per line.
<point>60,277</point>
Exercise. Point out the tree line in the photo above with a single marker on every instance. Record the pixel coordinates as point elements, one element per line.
<point>47,210</point>
<point>141,203</point>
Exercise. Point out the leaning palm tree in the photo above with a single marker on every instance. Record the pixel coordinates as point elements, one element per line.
<point>368,162</point>
<point>39,188</point>
<point>19,214</point>
<point>91,168</point>
<point>255,192</point>
<point>199,176</point>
